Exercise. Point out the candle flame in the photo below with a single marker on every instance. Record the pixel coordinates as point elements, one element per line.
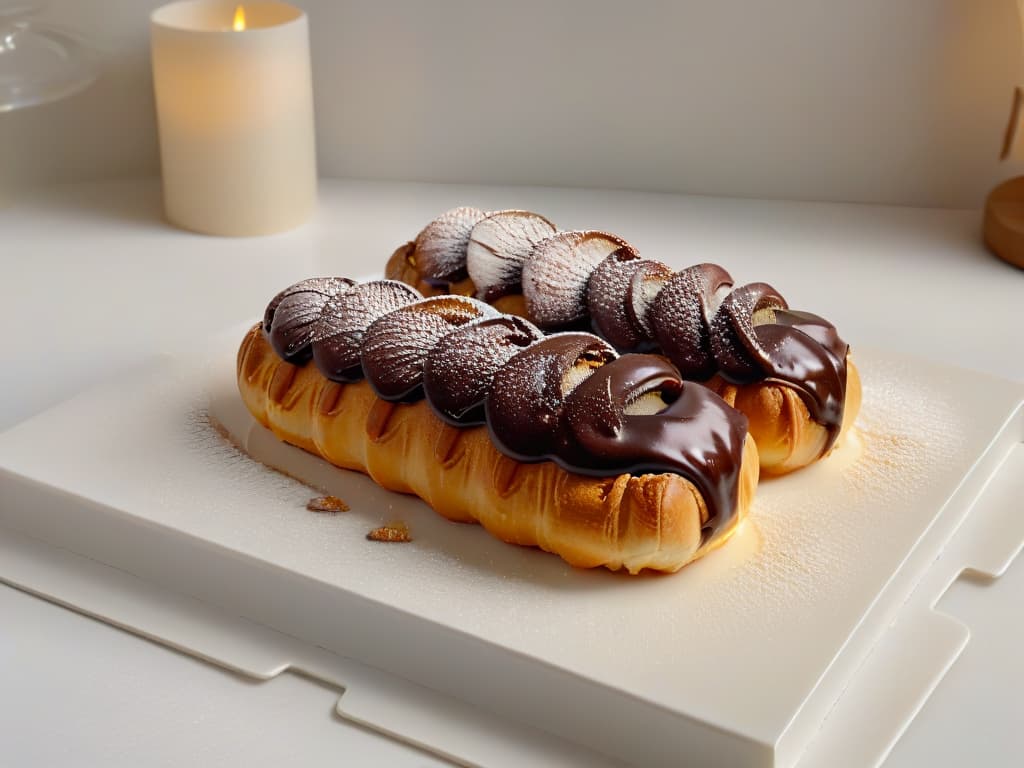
<point>239,23</point>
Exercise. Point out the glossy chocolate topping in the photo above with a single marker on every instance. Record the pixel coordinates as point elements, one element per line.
<point>806,353</point>
<point>526,399</point>
<point>396,345</point>
<point>756,337</point>
<point>291,318</point>
<point>696,435</point>
<point>681,318</point>
<point>344,320</point>
<point>644,286</point>
<point>737,350</point>
<point>608,284</point>
<point>459,370</point>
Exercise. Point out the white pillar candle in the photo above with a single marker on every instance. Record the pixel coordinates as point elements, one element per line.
<point>234,103</point>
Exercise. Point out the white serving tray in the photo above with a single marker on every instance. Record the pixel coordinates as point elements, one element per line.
<point>736,660</point>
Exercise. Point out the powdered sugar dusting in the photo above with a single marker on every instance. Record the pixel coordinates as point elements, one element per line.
<point>499,245</point>
<point>238,474</point>
<point>680,304</point>
<point>681,315</point>
<point>316,286</point>
<point>555,275</point>
<point>441,246</point>
<point>458,371</point>
<point>292,316</point>
<point>352,312</point>
<point>606,290</point>
<point>396,345</point>
<point>801,541</point>
<point>528,392</point>
<point>345,318</point>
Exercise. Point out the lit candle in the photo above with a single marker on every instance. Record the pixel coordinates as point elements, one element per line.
<point>234,103</point>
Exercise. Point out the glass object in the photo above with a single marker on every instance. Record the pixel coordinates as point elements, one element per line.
<point>39,63</point>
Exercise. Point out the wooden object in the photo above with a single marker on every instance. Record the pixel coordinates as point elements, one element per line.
<point>1004,221</point>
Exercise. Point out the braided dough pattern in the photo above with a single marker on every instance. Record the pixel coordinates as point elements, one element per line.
<point>651,521</point>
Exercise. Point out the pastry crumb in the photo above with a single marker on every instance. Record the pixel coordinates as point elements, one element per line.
<point>398,532</point>
<point>327,504</point>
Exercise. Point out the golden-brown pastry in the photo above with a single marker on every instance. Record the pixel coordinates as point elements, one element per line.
<point>666,469</point>
<point>787,436</point>
<point>788,371</point>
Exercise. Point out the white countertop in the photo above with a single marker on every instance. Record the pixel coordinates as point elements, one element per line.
<point>93,281</point>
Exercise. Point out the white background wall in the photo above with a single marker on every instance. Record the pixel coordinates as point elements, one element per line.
<point>895,101</point>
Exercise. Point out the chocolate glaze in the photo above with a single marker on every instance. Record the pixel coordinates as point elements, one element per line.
<point>697,435</point>
<point>525,404</point>
<point>291,317</point>
<point>681,318</point>
<point>459,370</point>
<point>806,353</point>
<point>564,283</point>
<point>644,286</point>
<point>798,349</point>
<point>733,342</point>
<point>607,285</point>
<point>637,309</point>
<point>396,345</point>
<point>343,323</point>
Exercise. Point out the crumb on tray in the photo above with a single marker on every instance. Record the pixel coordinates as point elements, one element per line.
<point>391,532</point>
<point>327,504</point>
